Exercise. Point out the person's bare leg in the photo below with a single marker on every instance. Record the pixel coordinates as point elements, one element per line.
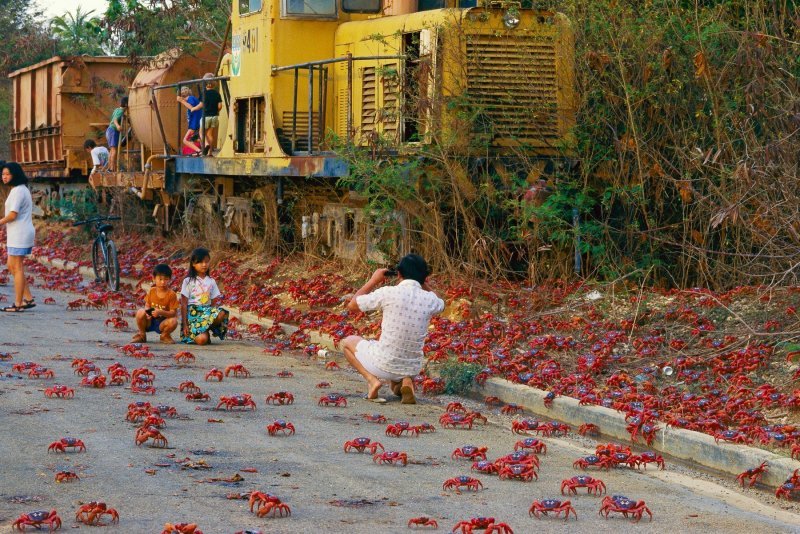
<point>142,322</point>
<point>202,339</point>
<point>14,265</point>
<point>348,346</point>
<point>112,158</point>
<point>407,391</point>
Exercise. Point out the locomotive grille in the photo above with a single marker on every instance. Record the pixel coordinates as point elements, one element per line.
<point>512,79</point>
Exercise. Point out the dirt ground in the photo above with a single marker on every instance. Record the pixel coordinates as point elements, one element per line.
<point>327,490</point>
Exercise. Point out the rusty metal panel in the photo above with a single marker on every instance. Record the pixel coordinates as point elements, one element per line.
<point>58,104</point>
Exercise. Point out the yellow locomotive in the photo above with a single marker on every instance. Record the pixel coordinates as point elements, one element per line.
<point>302,75</point>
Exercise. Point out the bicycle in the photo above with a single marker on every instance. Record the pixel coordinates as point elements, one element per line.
<point>104,251</point>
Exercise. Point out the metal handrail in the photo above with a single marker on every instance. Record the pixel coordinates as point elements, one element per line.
<point>323,86</point>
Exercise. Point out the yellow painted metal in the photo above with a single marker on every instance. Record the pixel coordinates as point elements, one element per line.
<point>521,78</point>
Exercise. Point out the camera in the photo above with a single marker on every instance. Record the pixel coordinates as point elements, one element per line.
<point>149,311</point>
<point>390,273</point>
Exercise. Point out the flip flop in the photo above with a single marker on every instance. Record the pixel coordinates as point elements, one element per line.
<point>376,400</point>
<point>28,303</point>
<point>13,309</point>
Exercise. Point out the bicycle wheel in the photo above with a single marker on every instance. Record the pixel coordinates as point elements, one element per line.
<point>113,266</point>
<point>99,261</point>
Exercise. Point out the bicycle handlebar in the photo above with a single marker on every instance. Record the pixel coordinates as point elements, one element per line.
<point>97,219</point>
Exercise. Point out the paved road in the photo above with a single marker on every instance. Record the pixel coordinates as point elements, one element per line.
<point>327,490</point>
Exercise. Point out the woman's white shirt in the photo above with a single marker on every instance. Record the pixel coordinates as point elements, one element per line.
<point>21,232</point>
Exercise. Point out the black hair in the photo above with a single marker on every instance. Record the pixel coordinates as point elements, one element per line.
<point>17,174</point>
<point>162,269</point>
<point>124,102</point>
<point>413,267</point>
<point>198,255</point>
<point>90,144</point>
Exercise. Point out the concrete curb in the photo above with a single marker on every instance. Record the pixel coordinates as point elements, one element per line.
<point>683,444</point>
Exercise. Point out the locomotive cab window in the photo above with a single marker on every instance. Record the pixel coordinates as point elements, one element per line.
<point>323,9</point>
<point>249,6</point>
<point>361,6</point>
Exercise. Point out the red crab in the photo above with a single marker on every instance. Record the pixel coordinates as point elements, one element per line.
<point>165,410</point>
<point>519,457</point>
<point>49,300</point>
<point>470,452</point>
<point>374,418</point>
<point>533,444</point>
<point>418,522</point>
<point>524,472</point>
<point>425,428</point>
<point>624,506</point>
<point>91,513</point>
<point>237,401</point>
<point>66,443</point>
<point>484,466</point>
<point>521,426</point>
<point>95,381</point>
<point>487,524</point>
<point>148,432</point>
<point>492,401</point>
<point>38,519</point>
<point>543,507</point>
<point>266,503</point>
<point>462,481</point>
<point>332,399</point>
<point>324,385</point>
<point>593,485</point>
<point>66,476</point>
<point>510,409</point>
<point>181,528</point>
<point>456,420</point>
<point>391,457</point>
<point>280,398</point>
<point>142,387</point>
<point>60,391</point>
<point>285,374</point>
<point>41,372</point>
<point>589,429</point>
<point>188,386</point>
<point>238,370</point>
<point>197,396</point>
<point>456,407</point>
<point>400,427</point>
<point>602,462</point>
<point>650,457</point>
<point>433,386</point>
<point>280,425</point>
<point>24,366</point>
<point>733,436</point>
<point>214,373</point>
<point>184,356</point>
<point>332,366</point>
<point>117,323</point>
<point>796,451</point>
<point>752,475</point>
<point>362,444</point>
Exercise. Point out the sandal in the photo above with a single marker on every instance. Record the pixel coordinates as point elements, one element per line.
<point>13,309</point>
<point>28,303</point>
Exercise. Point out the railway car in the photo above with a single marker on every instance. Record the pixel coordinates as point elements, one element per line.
<point>57,104</point>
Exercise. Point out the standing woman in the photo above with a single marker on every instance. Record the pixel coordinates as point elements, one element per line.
<point>20,233</point>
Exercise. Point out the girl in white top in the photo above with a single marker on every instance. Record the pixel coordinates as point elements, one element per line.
<point>200,315</point>
<point>20,234</point>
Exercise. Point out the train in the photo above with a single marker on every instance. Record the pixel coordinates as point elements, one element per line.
<point>300,78</point>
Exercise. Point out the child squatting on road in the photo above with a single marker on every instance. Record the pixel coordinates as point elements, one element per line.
<point>407,310</point>
<point>200,316</point>
<point>160,312</point>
